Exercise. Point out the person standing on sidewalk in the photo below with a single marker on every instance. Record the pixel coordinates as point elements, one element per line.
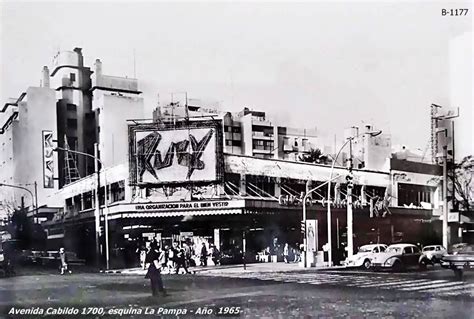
<point>286,252</point>
<point>203,255</point>
<point>154,271</point>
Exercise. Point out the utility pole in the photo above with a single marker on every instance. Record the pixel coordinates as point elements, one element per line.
<point>445,198</point>
<point>35,216</point>
<point>350,214</point>
<point>97,205</point>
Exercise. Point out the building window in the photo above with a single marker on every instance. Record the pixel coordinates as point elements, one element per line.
<point>411,194</point>
<point>117,191</point>
<point>71,107</point>
<point>71,123</point>
<point>87,199</point>
<point>72,76</point>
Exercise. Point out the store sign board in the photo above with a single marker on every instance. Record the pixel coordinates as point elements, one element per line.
<point>178,154</point>
<point>453,217</point>
<point>177,206</point>
<point>48,159</point>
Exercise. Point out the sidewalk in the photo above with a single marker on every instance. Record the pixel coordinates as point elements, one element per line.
<point>234,269</point>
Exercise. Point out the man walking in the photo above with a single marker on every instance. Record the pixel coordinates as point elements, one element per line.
<point>63,261</point>
<point>156,261</point>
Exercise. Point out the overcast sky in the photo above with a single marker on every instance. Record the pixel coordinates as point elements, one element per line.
<point>328,65</point>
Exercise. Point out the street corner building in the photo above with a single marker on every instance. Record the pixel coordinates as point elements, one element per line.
<point>110,177</point>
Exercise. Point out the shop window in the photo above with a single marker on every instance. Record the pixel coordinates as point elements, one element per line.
<point>411,194</point>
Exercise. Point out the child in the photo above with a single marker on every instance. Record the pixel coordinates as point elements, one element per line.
<point>63,259</point>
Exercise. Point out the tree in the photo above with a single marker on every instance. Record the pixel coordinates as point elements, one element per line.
<point>463,183</point>
<point>29,234</point>
<point>314,156</point>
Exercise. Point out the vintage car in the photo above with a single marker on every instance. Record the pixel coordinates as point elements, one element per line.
<point>364,256</point>
<point>431,255</point>
<point>397,257</point>
<point>461,261</point>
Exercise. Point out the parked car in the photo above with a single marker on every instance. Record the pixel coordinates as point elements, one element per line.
<point>431,255</point>
<point>397,257</point>
<point>364,256</point>
<point>461,261</point>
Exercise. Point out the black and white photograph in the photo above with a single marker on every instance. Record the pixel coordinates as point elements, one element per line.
<point>236,159</point>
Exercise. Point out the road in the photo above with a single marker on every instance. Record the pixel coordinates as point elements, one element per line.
<point>290,294</point>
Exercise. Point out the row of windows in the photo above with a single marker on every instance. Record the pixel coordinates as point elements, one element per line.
<point>116,193</point>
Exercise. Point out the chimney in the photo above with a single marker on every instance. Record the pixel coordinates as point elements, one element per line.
<point>45,79</point>
<point>98,68</point>
<point>80,58</point>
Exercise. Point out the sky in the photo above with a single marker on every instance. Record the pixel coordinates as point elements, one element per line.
<point>328,65</point>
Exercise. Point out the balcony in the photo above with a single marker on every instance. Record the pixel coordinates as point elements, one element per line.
<point>262,136</point>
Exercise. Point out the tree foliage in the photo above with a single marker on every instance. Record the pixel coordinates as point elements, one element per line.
<point>314,156</point>
<point>464,183</point>
<point>28,234</point>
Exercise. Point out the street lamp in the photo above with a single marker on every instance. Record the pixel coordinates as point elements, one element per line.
<point>97,203</point>
<point>34,199</point>
<point>350,243</point>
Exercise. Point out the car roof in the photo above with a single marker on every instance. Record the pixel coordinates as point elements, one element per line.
<point>372,245</point>
<point>402,245</point>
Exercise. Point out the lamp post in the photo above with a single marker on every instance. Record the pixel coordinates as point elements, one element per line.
<point>350,243</point>
<point>97,204</point>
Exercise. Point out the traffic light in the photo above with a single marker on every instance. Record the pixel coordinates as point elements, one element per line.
<point>303,227</point>
<point>350,180</point>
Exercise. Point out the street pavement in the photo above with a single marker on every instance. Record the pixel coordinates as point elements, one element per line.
<point>261,291</point>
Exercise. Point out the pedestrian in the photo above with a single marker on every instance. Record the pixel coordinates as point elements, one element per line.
<point>297,254</point>
<point>286,252</point>
<point>215,255</point>
<point>63,262</point>
<point>187,253</point>
<point>203,255</point>
<point>156,261</point>
<point>181,261</point>
<point>142,251</point>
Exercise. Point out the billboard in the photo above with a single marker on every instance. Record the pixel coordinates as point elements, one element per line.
<point>48,159</point>
<point>182,153</point>
<point>312,234</point>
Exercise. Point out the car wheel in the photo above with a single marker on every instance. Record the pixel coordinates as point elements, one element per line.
<point>397,266</point>
<point>458,273</point>
<point>423,264</point>
<point>366,264</point>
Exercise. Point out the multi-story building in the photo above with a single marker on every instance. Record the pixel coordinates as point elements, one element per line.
<point>72,103</point>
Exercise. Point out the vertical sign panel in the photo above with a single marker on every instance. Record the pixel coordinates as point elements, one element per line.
<point>48,160</point>
<point>311,234</point>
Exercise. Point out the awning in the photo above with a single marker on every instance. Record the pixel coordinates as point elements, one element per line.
<point>178,213</point>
